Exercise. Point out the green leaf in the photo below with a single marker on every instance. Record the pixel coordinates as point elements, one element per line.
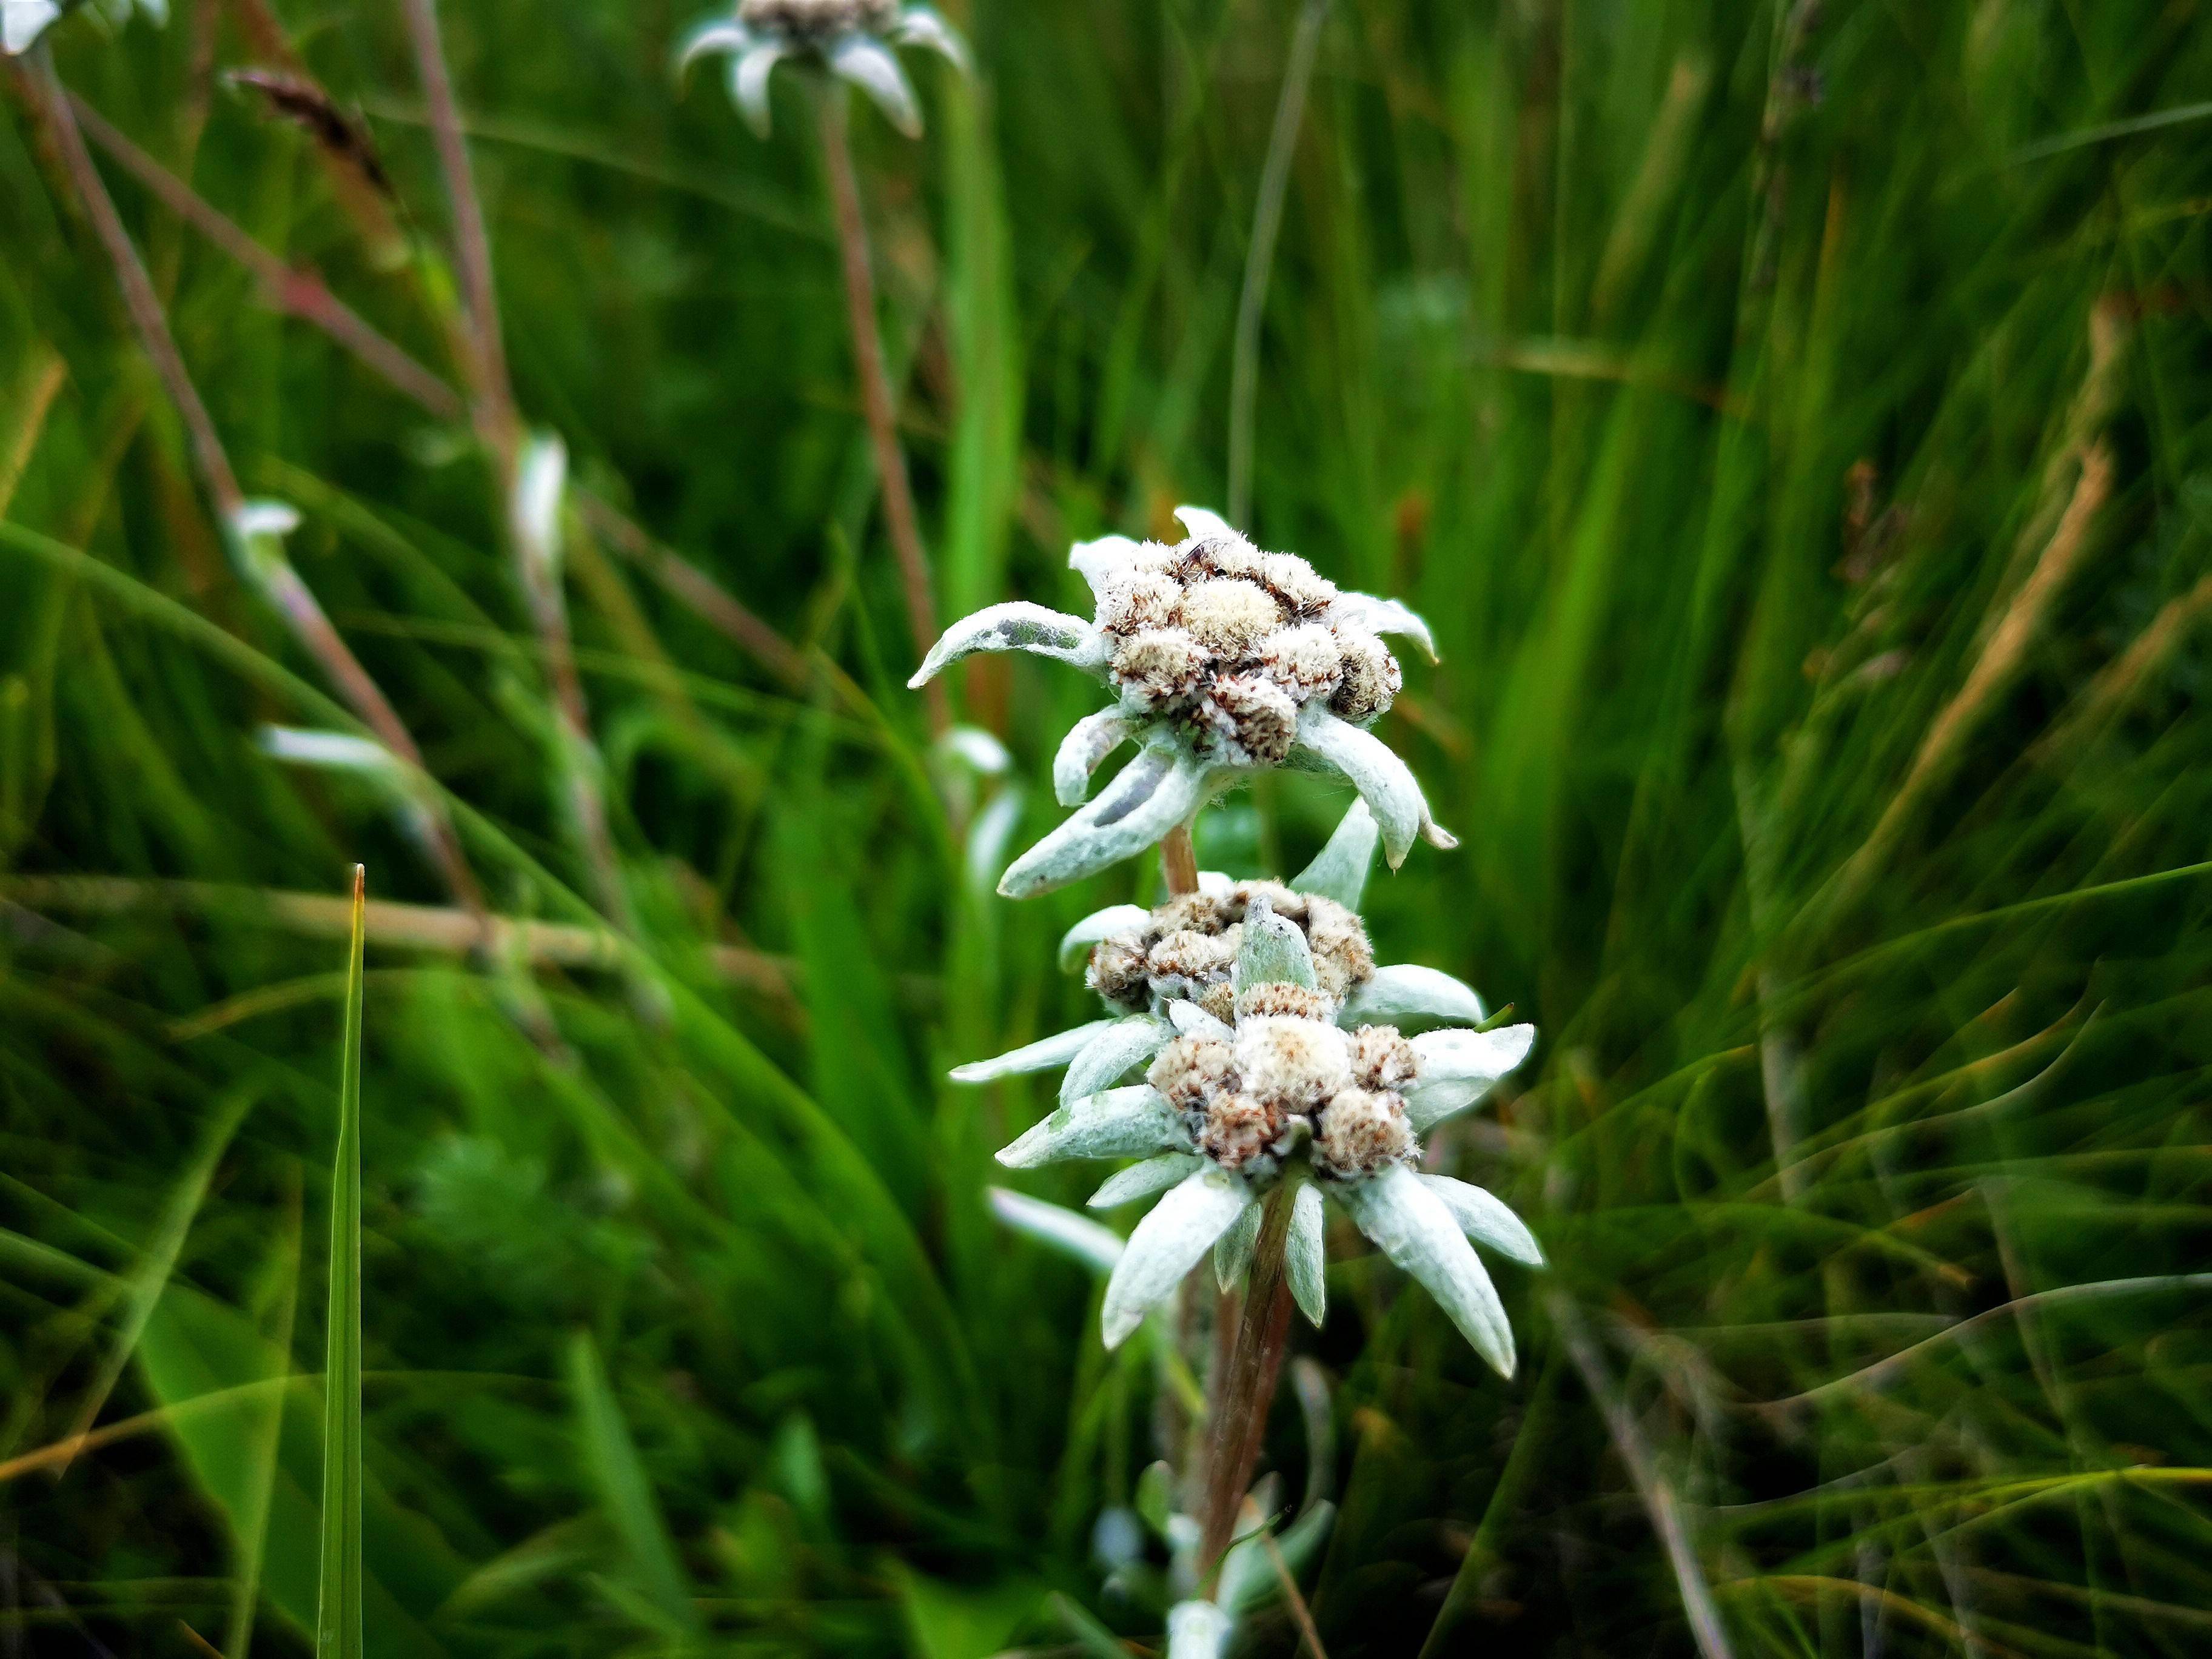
<point>625,1492</point>
<point>338,1603</point>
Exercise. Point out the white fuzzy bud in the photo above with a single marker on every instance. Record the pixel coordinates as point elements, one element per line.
<point>1230,617</point>
<point>1304,660</point>
<point>1239,1127</point>
<point>1160,667</point>
<point>1133,600</point>
<point>1255,714</point>
<point>1280,997</point>
<point>1360,1131</point>
<point>1297,583</point>
<point>818,18</point>
<point>1290,1062</point>
<point>1381,1059</point>
<point>1371,680</point>
<point>1190,1071</point>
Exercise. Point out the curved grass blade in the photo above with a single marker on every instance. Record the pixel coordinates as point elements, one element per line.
<point>338,1611</point>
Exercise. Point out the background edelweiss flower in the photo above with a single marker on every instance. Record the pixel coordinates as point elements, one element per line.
<point>22,21</point>
<point>1298,1083</point>
<point>1224,660</point>
<point>852,37</point>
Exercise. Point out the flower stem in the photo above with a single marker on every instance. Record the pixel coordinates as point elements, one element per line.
<point>876,399</point>
<point>1248,1385</point>
<point>1179,861</point>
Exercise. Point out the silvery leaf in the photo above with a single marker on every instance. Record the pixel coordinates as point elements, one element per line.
<point>869,65</point>
<point>1339,870</point>
<point>1095,1247</point>
<point>1198,1630</point>
<point>1191,1020</point>
<point>979,751</point>
<point>1387,616</point>
<point>1275,951</point>
<point>1149,797</point>
<point>22,21</point>
<point>1016,625</point>
<point>1075,943</point>
<point>1154,1175</point>
<point>715,34</point>
<point>1107,1056</point>
<point>1167,1243</point>
<point>1454,1069</point>
<point>1096,561</point>
<point>1232,1251</point>
<point>541,479</point>
<point>1248,1577</point>
<point>1413,1227</point>
<point>1205,525</point>
<point>1304,1254</point>
<point>258,529</point>
<point>1407,991</point>
<point>1483,1217</point>
<point>1088,742</point>
<point>1384,780</point>
<point>336,752</point>
<point>749,73</point>
<point>922,26</point>
<point>1131,1123</point>
<point>1039,1056</point>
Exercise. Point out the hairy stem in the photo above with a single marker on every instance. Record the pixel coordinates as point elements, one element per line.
<point>876,397</point>
<point>1179,861</point>
<point>1238,1415</point>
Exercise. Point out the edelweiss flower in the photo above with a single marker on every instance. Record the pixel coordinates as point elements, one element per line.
<point>22,21</point>
<point>1264,1063</point>
<point>853,38</point>
<point>1224,660</point>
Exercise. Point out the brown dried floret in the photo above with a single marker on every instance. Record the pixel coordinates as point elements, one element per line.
<point>1297,583</point>
<point>1162,666</point>
<point>1220,999</point>
<point>1201,913</point>
<point>1192,1070</point>
<point>1254,714</point>
<point>1380,1058</point>
<point>1343,958</point>
<point>1231,555</point>
<point>1284,901</point>
<point>1304,661</point>
<point>1133,600</point>
<point>1279,997</point>
<point>1230,617</point>
<point>1238,1128</point>
<point>1189,954</point>
<point>1361,1131</point>
<point>1296,1063</point>
<point>1371,680</point>
<point>1117,972</point>
<point>813,19</point>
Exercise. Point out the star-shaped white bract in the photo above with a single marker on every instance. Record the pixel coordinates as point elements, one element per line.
<point>22,21</point>
<point>1292,1079</point>
<point>1224,660</point>
<point>853,39</point>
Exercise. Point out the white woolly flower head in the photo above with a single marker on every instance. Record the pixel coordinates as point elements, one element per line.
<point>1265,1075</point>
<point>851,39</point>
<point>1222,660</point>
<point>22,21</point>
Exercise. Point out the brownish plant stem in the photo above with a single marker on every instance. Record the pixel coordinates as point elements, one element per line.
<point>1239,1413</point>
<point>281,584</point>
<point>1179,861</point>
<point>876,397</point>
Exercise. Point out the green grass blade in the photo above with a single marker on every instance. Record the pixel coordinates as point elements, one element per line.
<point>337,1613</point>
<point>625,1492</point>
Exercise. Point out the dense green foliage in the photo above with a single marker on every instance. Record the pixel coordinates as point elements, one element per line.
<point>1795,429</point>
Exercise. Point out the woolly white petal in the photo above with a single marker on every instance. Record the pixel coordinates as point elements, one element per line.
<point>1191,1020</point>
<point>1339,870</point>
<point>978,749</point>
<point>1150,796</point>
<point>1275,951</point>
<point>1075,943</point>
<point>715,34</point>
<point>1154,1175</point>
<point>1039,1056</point>
<point>1167,1243</point>
<point>1016,625</point>
<point>1205,524</point>
<point>868,64</point>
<point>749,73</point>
<point>1454,1069</point>
<point>1415,1228</point>
<point>1198,1630</point>
<point>1232,1251</point>
<point>1096,561</point>
<point>1095,1247</point>
<point>22,21</point>
<point>1384,780</point>
<point>1132,1122</point>
<point>1408,991</point>
<point>1386,616</point>
<point>1088,742</point>
<point>1214,885</point>
<point>1483,1217</point>
<point>922,26</point>
<point>1107,1056</point>
<point>1303,1253</point>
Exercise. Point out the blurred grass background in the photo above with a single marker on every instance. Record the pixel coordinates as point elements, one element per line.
<point>1792,420</point>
